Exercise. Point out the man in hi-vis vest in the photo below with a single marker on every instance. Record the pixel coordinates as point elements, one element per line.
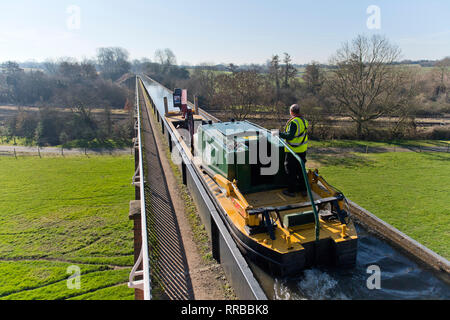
<point>296,136</point>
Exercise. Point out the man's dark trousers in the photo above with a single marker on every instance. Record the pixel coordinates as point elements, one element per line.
<point>294,172</point>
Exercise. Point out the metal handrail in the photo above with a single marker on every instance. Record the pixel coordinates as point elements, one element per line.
<point>144,257</point>
<point>190,104</point>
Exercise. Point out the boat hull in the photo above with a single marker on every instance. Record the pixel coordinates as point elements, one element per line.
<point>324,252</point>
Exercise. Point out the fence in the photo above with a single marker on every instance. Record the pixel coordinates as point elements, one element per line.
<point>7,151</point>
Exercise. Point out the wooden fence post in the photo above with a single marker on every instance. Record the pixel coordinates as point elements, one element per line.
<point>166,106</point>
<point>195,105</point>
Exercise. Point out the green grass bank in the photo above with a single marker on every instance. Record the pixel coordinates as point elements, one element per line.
<point>408,190</point>
<point>56,212</point>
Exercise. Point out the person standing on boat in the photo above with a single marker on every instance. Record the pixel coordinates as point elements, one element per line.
<point>296,136</point>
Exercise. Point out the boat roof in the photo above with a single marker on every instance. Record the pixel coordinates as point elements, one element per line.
<point>239,131</point>
<point>233,128</point>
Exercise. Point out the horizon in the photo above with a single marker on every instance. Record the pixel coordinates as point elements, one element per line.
<point>22,63</point>
<point>217,33</point>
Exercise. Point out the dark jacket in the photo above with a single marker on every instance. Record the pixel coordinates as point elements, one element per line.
<point>291,133</point>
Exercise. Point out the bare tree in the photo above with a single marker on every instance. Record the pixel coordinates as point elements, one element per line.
<point>239,92</point>
<point>170,57</point>
<point>314,78</point>
<point>442,75</point>
<point>203,82</point>
<point>404,116</point>
<point>289,71</point>
<point>50,67</point>
<point>113,62</point>
<point>165,57</point>
<point>159,56</point>
<point>275,75</point>
<point>364,83</point>
<point>11,67</point>
<point>232,68</point>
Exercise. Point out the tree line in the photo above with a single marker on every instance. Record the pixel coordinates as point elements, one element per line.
<point>363,82</point>
<point>66,91</point>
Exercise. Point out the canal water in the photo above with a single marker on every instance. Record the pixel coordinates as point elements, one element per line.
<point>401,278</point>
<point>158,93</point>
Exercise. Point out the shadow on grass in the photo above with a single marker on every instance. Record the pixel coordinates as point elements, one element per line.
<point>349,160</point>
<point>439,156</point>
<point>337,150</point>
<point>337,146</point>
<point>419,143</point>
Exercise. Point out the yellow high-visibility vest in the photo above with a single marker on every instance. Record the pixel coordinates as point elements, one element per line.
<point>300,142</point>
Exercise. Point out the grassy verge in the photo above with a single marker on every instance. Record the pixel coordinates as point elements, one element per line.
<point>56,212</point>
<point>409,190</point>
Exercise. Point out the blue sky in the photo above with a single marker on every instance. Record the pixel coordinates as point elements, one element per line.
<point>198,31</point>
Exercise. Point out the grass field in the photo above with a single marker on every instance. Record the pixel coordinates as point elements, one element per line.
<point>56,212</point>
<point>409,190</point>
